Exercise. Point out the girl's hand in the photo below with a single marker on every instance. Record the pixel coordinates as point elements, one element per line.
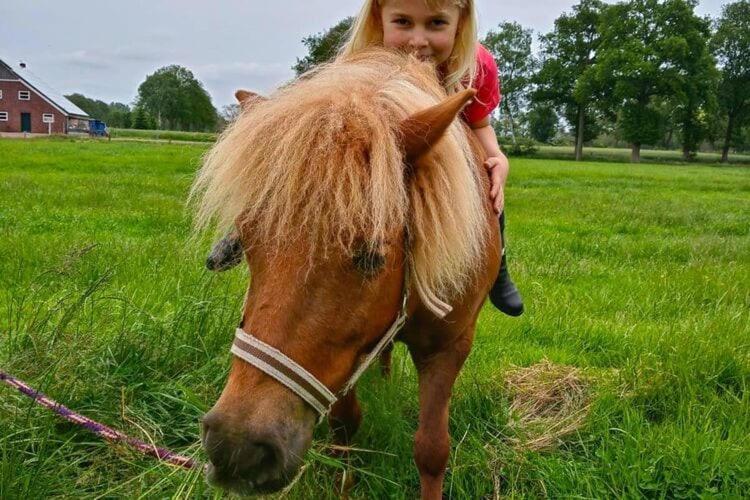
<point>497,168</point>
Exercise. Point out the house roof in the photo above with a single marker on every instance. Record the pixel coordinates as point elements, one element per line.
<point>47,91</point>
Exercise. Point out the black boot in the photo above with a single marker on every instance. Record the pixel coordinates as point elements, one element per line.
<point>504,294</point>
<point>225,254</point>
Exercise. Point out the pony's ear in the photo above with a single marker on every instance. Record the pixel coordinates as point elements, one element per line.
<point>423,129</point>
<point>245,97</point>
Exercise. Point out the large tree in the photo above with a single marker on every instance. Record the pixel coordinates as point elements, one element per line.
<point>177,100</point>
<point>690,70</point>
<point>630,70</point>
<point>654,52</point>
<point>731,46</point>
<point>565,79</point>
<point>510,44</point>
<point>324,46</point>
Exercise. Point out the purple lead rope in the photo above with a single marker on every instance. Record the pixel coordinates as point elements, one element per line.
<point>101,430</point>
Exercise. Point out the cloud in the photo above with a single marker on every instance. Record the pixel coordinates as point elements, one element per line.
<point>108,58</point>
<point>86,59</point>
<point>233,70</point>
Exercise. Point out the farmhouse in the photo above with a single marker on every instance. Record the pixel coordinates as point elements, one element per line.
<point>29,105</point>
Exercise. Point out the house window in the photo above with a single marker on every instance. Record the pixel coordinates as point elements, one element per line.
<point>3,116</point>
<point>1,94</point>
<point>24,95</point>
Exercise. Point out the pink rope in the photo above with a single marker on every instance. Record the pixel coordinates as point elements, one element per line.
<point>99,429</point>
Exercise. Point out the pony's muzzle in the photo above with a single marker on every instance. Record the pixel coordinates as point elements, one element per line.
<point>244,461</point>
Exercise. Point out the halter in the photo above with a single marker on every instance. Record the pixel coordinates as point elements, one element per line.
<point>295,377</point>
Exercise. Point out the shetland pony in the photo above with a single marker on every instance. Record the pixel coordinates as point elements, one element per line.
<point>337,183</point>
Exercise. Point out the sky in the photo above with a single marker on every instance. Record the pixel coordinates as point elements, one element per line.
<point>105,49</point>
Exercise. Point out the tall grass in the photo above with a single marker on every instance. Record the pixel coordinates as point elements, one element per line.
<point>638,275</point>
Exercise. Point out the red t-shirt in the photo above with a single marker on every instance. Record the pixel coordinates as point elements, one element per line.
<point>487,85</point>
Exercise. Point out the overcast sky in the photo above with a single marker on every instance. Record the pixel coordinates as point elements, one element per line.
<point>105,49</point>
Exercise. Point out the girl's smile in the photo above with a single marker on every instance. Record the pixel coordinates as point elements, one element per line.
<point>411,25</point>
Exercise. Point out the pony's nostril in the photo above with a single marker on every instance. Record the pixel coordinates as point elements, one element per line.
<point>210,422</point>
<point>260,455</point>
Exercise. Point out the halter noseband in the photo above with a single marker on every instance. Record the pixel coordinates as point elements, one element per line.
<point>300,381</point>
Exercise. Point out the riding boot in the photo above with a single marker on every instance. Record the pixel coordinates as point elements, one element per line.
<point>226,253</point>
<point>504,294</point>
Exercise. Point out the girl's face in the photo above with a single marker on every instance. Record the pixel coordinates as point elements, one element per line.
<point>411,25</point>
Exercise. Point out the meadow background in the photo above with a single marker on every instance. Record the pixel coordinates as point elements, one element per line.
<point>637,275</point>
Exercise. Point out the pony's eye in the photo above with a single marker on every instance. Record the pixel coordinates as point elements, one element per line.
<point>368,261</point>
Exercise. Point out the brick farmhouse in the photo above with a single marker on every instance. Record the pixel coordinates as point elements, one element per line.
<point>27,104</point>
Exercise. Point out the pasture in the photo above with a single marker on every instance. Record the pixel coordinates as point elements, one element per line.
<point>636,275</point>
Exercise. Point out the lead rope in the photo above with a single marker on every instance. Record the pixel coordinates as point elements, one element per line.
<point>101,430</point>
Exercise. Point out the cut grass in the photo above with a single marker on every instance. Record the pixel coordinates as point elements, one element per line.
<point>636,275</point>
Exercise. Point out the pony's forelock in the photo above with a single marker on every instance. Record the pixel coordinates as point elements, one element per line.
<point>321,161</point>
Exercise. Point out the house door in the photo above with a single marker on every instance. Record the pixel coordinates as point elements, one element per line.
<point>25,122</point>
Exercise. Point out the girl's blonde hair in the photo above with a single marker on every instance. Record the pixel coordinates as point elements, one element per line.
<point>367,31</point>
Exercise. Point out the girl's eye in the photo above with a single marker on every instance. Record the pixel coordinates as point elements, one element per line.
<point>401,21</point>
<point>439,22</point>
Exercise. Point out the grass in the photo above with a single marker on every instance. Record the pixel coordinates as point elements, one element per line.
<point>162,135</point>
<point>622,155</point>
<point>635,278</point>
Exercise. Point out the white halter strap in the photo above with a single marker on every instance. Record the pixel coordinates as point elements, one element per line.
<point>300,381</point>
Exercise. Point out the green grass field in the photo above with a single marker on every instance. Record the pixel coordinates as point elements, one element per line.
<point>637,275</point>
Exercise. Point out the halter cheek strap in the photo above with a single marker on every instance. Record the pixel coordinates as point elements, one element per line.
<point>295,377</point>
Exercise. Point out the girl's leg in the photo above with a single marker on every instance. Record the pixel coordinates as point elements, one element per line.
<point>226,253</point>
<point>504,294</point>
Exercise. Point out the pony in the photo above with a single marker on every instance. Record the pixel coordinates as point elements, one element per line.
<point>357,195</point>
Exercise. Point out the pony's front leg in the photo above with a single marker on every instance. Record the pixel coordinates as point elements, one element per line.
<point>437,372</point>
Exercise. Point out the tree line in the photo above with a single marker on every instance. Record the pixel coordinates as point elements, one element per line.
<point>169,99</point>
<point>638,72</point>
<point>646,72</point>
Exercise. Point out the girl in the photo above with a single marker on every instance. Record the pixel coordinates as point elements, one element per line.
<point>443,32</point>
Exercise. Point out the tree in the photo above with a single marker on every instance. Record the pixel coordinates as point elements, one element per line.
<point>690,70</point>
<point>630,70</point>
<point>510,45</point>
<point>115,114</point>
<point>177,100</point>
<point>94,108</point>
<point>542,122</point>
<point>566,77</point>
<point>119,115</point>
<point>731,46</point>
<point>324,46</point>
<point>142,120</point>
<point>230,112</point>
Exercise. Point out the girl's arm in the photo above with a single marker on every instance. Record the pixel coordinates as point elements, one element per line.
<point>497,164</point>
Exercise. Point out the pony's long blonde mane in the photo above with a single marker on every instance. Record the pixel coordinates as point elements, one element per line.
<point>321,160</point>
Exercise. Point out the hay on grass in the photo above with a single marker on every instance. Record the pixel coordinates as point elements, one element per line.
<point>548,402</point>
